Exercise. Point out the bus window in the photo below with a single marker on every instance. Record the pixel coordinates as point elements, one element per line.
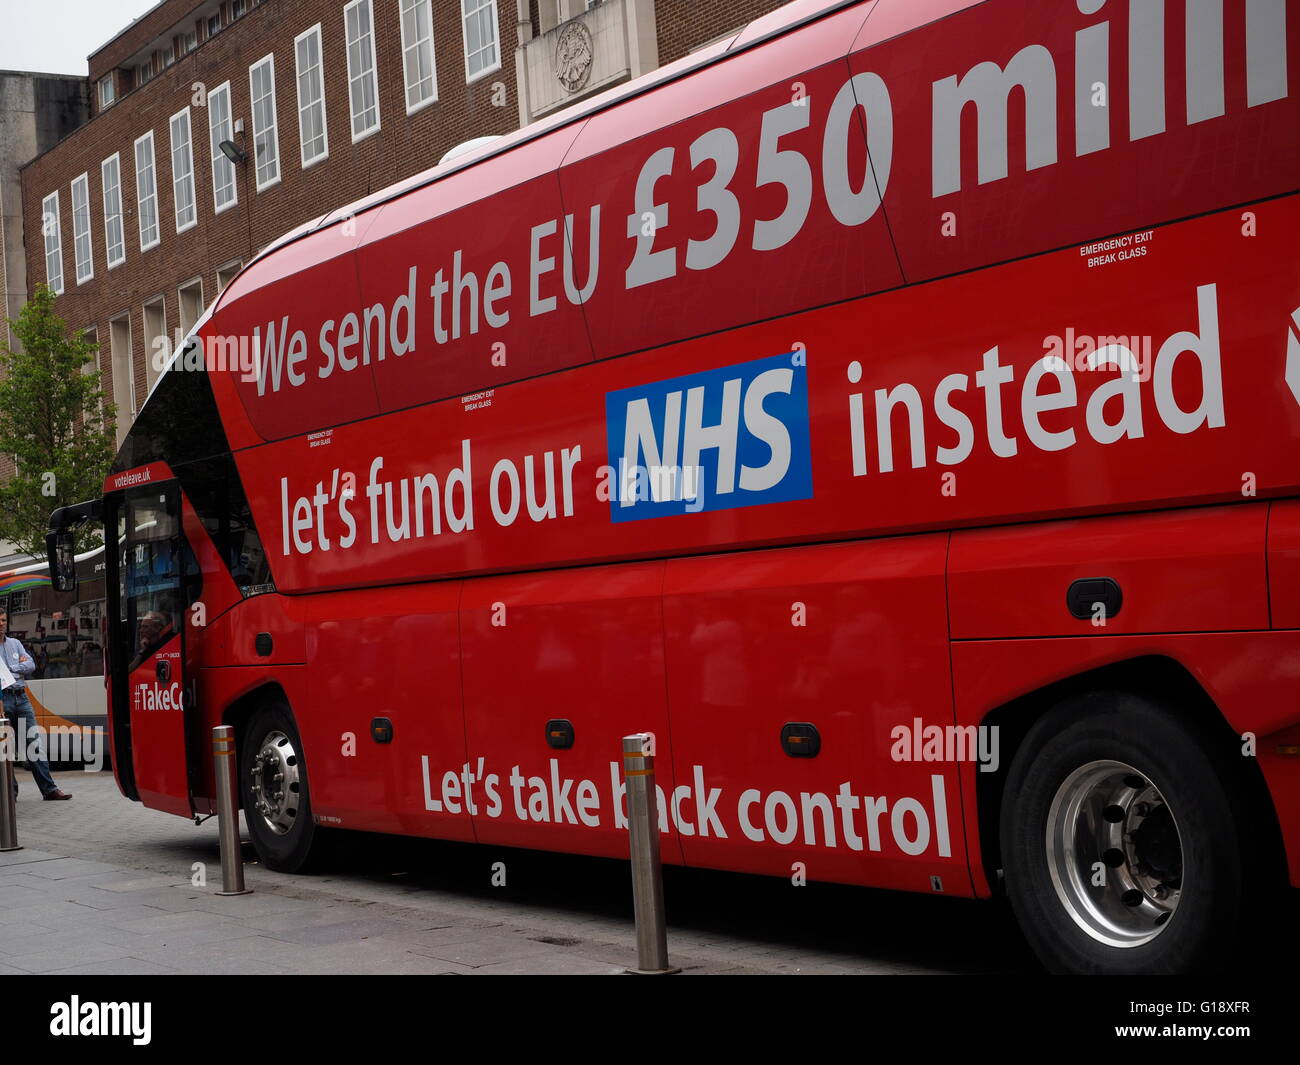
<point>153,573</point>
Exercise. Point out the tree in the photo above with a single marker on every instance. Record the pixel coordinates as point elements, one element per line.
<point>54,420</point>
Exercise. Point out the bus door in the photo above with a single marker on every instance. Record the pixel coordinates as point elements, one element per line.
<point>153,577</point>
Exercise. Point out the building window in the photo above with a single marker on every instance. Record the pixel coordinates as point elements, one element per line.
<point>237,8</point>
<point>482,52</point>
<point>190,299</point>
<point>183,171</point>
<point>214,24</point>
<point>156,344</point>
<point>266,139</point>
<point>107,91</point>
<point>191,41</point>
<point>110,171</point>
<point>123,371</point>
<point>146,191</point>
<point>225,192</point>
<point>53,243</point>
<point>82,249</point>
<point>226,274</point>
<point>363,86</point>
<point>312,135</point>
<point>144,72</point>
<point>417,54</point>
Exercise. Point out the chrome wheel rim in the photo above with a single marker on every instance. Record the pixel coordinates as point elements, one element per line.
<point>1115,853</point>
<point>276,783</point>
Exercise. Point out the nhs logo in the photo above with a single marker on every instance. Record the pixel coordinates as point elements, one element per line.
<point>732,437</point>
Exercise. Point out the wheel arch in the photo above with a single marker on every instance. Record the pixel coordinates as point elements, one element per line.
<point>1159,678</point>
<point>239,713</point>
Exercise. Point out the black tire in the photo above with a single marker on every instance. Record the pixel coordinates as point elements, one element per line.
<point>1189,908</point>
<point>295,847</point>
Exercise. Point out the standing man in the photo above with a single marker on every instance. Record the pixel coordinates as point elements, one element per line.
<point>15,664</point>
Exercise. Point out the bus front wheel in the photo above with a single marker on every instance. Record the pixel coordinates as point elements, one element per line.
<point>273,788</point>
<point>1121,844</point>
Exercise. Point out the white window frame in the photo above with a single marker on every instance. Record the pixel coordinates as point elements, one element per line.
<point>107,82</point>
<point>81,231</point>
<point>152,371</point>
<point>181,180</point>
<point>231,268</point>
<point>409,46</point>
<point>123,385</point>
<point>496,31</point>
<point>180,302</point>
<point>141,199</point>
<point>319,85</point>
<point>113,217</point>
<point>274,129</point>
<point>219,161</point>
<point>54,248</point>
<point>354,79</point>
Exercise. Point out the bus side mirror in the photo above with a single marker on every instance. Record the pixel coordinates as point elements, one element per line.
<point>60,547</point>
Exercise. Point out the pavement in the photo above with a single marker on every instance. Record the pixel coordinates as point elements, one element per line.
<point>105,886</point>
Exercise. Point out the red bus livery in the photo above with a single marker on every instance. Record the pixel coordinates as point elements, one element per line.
<point>894,408</point>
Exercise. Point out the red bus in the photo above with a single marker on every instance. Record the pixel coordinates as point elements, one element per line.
<point>894,407</point>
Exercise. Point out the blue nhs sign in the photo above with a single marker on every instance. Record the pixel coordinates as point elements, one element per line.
<point>731,437</point>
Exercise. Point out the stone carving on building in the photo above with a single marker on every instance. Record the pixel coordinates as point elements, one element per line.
<point>574,51</point>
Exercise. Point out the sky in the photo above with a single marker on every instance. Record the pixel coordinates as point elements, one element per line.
<point>55,36</point>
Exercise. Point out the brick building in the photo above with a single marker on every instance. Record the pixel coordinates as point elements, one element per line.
<point>326,100</point>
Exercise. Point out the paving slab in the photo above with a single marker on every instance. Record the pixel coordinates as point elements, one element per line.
<point>70,868</point>
<point>129,882</point>
<point>26,856</point>
<point>552,964</point>
<point>115,967</point>
<point>49,959</point>
<point>344,931</point>
<point>488,950</point>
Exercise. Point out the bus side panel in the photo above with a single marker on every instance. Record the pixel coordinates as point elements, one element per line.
<point>217,689</point>
<point>230,639</point>
<point>1250,676</point>
<point>385,653</point>
<point>432,237</point>
<point>224,653</point>
<point>1178,571</point>
<point>1016,170</point>
<point>758,245</point>
<point>1284,564</point>
<point>890,448</point>
<point>852,639</point>
<point>585,646</point>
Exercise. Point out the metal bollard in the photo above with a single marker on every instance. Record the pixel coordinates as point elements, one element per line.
<point>8,808</point>
<point>232,859</point>
<point>647,873</point>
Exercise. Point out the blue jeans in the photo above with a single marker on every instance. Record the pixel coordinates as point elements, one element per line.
<point>31,746</point>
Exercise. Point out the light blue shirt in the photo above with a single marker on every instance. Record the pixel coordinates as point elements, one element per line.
<point>13,652</point>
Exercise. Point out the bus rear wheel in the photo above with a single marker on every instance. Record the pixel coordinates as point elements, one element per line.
<point>274,792</point>
<point>1121,841</point>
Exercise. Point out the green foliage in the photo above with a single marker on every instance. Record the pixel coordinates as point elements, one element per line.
<point>54,420</point>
